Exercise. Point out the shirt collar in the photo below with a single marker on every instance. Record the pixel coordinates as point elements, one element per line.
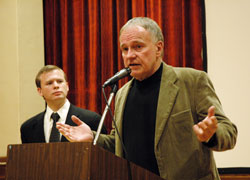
<point>63,111</point>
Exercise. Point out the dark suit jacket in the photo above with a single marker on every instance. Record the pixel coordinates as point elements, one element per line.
<point>32,131</point>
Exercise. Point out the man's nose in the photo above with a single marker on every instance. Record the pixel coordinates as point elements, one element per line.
<point>56,84</point>
<point>131,53</point>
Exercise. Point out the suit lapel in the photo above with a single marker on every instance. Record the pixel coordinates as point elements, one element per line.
<point>166,99</point>
<point>69,120</point>
<point>70,113</point>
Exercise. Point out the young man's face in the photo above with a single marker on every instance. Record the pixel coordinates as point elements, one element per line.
<point>140,52</point>
<point>54,87</point>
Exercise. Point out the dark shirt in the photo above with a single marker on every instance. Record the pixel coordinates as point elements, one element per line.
<point>139,121</point>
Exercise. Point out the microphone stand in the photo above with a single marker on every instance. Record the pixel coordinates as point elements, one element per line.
<point>114,89</point>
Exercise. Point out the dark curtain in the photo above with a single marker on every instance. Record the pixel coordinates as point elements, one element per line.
<point>81,37</point>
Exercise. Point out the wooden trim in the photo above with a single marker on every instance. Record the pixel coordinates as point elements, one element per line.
<point>239,173</point>
<point>3,161</point>
<point>235,177</point>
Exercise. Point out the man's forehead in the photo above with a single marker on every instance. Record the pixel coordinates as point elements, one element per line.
<point>52,74</point>
<point>133,34</point>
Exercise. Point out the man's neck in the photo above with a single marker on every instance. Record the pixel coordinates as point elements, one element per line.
<point>157,66</point>
<point>56,105</point>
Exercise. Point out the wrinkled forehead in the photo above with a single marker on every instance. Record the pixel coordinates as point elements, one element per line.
<point>134,33</point>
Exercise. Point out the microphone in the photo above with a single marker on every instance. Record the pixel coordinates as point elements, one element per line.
<point>119,75</point>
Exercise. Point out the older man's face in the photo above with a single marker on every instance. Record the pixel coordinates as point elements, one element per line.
<point>140,52</point>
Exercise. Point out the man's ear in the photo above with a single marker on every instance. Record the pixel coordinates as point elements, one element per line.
<point>39,90</point>
<point>67,86</point>
<point>159,48</point>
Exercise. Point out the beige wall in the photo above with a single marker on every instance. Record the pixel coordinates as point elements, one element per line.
<point>21,56</point>
<point>228,40</point>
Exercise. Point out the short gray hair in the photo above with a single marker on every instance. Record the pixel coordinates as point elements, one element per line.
<point>148,24</point>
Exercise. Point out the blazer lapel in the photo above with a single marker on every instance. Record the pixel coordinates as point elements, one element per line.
<point>119,109</point>
<point>70,113</point>
<point>167,95</point>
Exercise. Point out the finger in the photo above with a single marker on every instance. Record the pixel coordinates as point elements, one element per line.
<point>211,111</point>
<point>76,120</point>
<point>62,126</point>
<point>211,122</point>
<point>62,129</point>
<point>208,127</point>
<point>202,125</point>
<point>198,131</point>
<point>66,133</point>
<point>214,120</point>
<point>68,137</point>
<point>59,125</point>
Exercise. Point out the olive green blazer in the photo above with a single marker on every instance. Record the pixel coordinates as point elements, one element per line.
<point>184,98</point>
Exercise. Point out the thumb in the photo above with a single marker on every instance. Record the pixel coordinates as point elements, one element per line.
<point>76,120</point>
<point>211,111</point>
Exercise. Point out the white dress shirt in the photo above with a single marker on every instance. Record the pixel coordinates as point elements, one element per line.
<point>48,121</point>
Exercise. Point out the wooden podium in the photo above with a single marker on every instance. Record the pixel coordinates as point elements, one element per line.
<point>70,161</point>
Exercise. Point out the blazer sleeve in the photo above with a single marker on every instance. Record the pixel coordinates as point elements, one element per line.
<point>23,137</point>
<point>226,133</point>
<point>107,141</point>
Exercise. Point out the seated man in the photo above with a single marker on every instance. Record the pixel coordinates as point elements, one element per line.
<point>52,85</point>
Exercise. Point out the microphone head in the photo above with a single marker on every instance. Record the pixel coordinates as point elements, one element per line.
<point>119,75</point>
<point>123,73</point>
<point>128,70</point>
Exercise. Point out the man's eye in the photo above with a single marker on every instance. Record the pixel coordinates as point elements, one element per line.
<point>138,47</point>
<point>125,49</point>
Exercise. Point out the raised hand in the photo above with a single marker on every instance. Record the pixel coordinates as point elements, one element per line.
<point>205,129</point>
<point>79,133</point>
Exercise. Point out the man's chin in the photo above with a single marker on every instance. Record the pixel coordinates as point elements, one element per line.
<point>137,76</point>
<point>59,98</point>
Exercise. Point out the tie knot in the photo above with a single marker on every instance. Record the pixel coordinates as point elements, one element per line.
<point>55,116</point>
